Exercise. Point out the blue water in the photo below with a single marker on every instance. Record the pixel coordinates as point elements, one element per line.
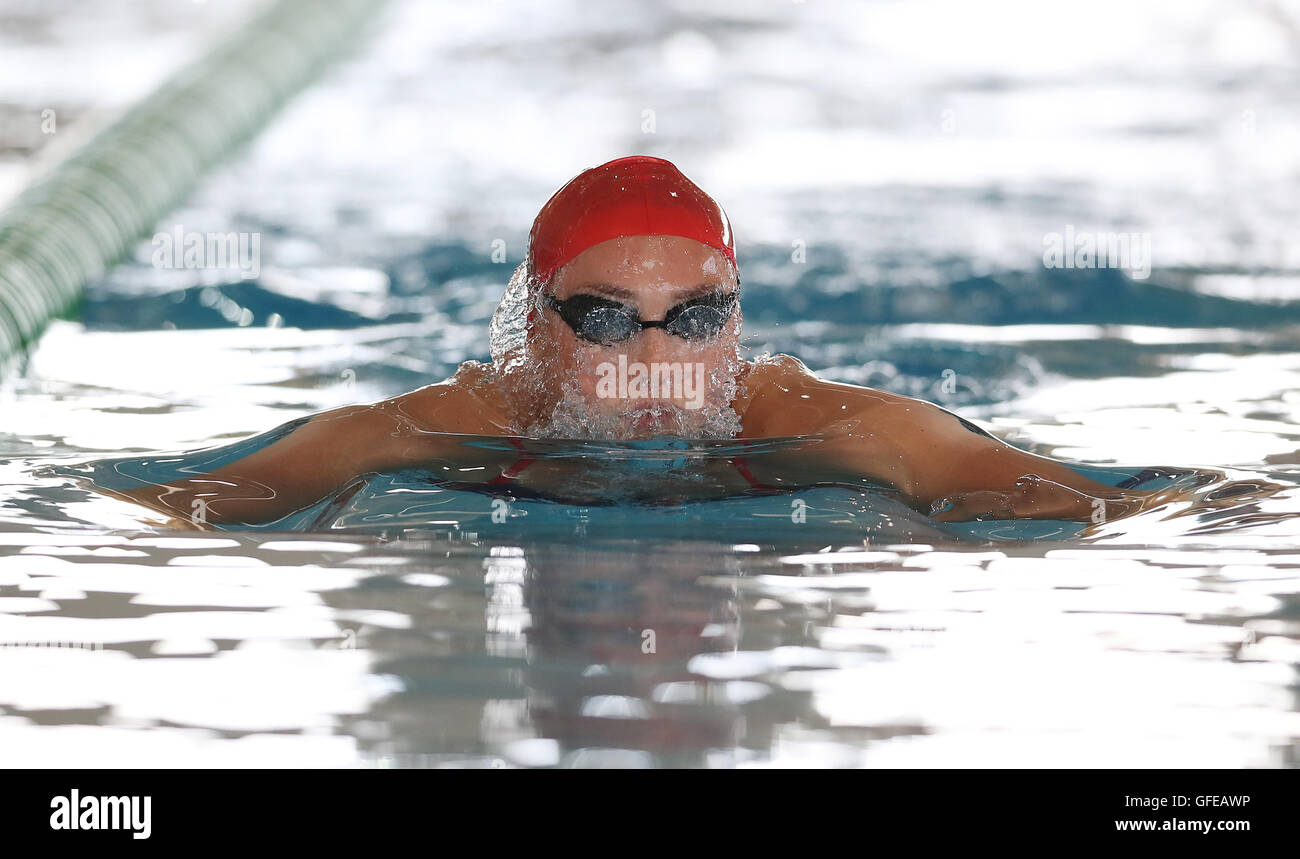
<point>399,623</point>
<point>647,488</point>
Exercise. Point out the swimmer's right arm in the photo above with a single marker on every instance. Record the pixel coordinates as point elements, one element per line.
<point>322,456</point>
<point>296,471</point>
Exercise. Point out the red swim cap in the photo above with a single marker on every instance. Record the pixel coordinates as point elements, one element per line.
<point>633,196</point>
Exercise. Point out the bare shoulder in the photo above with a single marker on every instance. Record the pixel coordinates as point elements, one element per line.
<point>370,436</point>
<point>783,397</point>
<point>470,402</point>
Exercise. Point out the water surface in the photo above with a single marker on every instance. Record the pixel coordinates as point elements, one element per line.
<point>919,170</point>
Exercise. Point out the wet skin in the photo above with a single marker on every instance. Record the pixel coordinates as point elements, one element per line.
<point>931,459</point>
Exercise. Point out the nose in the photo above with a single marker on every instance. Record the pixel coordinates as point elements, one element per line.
<point>654,345</point>
<point>670,363</point>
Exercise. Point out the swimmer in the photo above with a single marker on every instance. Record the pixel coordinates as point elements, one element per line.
<point>624,322</point>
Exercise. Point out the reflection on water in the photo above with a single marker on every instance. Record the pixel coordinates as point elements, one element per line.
<point>399,625</point>
<point>419,652</point>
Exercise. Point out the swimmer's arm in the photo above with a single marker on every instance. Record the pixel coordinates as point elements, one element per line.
<point>322,456</point>
<point>295,472</point>
<point>955,470</point>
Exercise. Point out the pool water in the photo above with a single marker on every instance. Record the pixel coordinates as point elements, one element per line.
<point>674,488</point>
<point>890,205</point>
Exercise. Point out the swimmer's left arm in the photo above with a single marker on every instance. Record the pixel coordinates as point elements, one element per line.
<point>956,472</point>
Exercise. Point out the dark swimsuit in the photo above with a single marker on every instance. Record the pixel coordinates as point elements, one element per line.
<point>512,473</point>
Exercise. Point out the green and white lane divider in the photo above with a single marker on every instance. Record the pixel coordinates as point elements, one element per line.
<point>85,213</point>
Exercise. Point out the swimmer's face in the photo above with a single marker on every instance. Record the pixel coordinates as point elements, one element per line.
<point>648,275</point>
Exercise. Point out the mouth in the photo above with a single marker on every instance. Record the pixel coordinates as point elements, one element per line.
<point>654,419</point>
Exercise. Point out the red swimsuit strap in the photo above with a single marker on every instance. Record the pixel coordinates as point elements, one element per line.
<point>512,473</point>
<point>739,462</point>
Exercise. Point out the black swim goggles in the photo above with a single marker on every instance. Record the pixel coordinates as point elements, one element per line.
<point>602,320</point>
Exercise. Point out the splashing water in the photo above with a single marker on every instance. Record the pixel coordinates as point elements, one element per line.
<point>547,401</point>
<point>509,327</point>
<point>575,417</point>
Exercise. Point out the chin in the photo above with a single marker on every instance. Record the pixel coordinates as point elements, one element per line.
<point>577,416</point>
<point>662,420</point>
